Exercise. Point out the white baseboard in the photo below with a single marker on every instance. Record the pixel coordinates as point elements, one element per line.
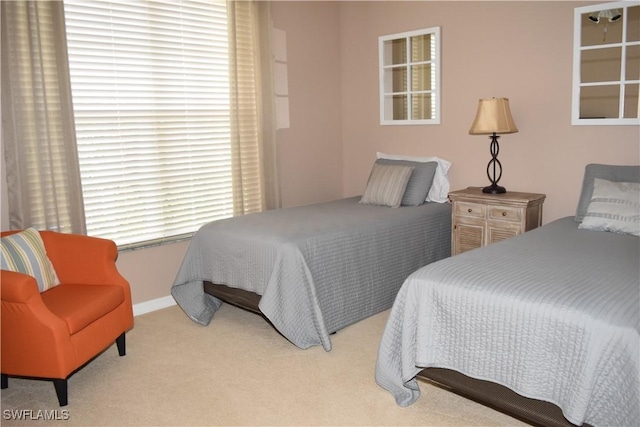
<point>153,305</point>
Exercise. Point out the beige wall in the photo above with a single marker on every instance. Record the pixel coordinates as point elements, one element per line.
<point>310,150</point>
<point>520,50</point>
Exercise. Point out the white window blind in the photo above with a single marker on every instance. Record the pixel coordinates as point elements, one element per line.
<point>150,86</point>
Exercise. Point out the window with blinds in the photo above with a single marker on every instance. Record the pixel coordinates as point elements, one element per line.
<point>150,87</point>
<point>410,77</point>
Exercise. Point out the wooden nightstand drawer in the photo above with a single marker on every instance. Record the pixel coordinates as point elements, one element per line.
<point>480,219</point>
<point>504,213</point>
<point>474,210</point>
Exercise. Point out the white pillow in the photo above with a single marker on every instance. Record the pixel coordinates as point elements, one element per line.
<point>439,191</point>
<point>615,207</point>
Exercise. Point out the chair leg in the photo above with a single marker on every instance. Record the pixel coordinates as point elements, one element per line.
<point>120,342</point>
<point>61,390</point>
<point>4,381</point>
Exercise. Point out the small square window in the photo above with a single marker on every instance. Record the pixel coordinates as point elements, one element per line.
<point>410,77</point>
<point>606,54</point>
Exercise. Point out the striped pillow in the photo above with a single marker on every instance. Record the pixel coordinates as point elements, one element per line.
<point>615,207</point>
<point>420,182</point>
<point>386,185</point>
<point>24,252</point>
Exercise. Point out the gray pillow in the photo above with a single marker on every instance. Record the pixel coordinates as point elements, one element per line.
<point>420,181</point>
<point>386,185</point>
<point>608,172</point>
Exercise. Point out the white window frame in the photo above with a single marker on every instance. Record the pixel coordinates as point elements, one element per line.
<point>577,51</point>
<point>385,93</point>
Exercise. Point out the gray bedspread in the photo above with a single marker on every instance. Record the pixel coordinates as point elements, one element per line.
<point>318,268</point>
<point>552,314</point>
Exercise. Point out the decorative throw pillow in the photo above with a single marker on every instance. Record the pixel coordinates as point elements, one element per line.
<point>24,252</point>
<point>439,191</point>
<point>419,183</point>
<point>614,173</point>
<point>615,206</point>
<point>386,185</point>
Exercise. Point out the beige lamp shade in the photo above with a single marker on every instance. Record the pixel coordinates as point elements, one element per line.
<point>493,116</point>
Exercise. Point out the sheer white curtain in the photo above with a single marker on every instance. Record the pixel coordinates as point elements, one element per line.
<point>43,177</point>
<point>253,137</point>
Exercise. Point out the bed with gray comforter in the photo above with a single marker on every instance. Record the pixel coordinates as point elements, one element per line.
<point>318,268</point>
<point>552,314</point>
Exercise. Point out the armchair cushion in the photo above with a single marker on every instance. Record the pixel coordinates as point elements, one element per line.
<point>80,305</point>
<point>24,252</point>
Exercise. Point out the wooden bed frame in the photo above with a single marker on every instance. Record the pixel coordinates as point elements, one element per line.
<point>238,297</point>
<point>498,397</point>
<point>495,396</point>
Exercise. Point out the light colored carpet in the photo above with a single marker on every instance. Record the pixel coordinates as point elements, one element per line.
<point>236,371</point>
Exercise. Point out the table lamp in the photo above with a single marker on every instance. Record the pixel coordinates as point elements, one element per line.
<point>493,118</point>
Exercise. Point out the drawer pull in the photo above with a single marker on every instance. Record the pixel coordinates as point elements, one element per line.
<point>470,210</point>
<point>504,214</point>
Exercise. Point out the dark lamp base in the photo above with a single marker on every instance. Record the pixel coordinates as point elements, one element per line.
<point>494,189</point>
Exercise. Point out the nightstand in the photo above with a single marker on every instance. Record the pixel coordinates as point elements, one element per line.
<point>479,219</point>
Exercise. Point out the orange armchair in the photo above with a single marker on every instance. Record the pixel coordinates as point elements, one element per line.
<point>51,335</point>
